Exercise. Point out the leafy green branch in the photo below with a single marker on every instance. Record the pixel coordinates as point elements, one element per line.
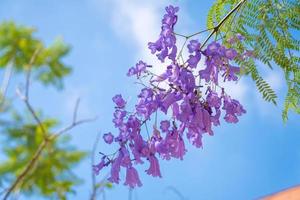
<point>43,129</point>
<point>270,28</point>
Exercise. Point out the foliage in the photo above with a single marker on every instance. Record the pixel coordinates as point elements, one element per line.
<point>52,175</point>
<point>18,44</point>
<point>269,28</point>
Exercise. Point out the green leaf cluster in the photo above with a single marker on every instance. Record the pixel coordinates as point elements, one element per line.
<point>51,176</point>
<point>270,28</point>
<point>17,46</point>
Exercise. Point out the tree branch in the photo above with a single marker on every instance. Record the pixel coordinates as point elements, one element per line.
<point>47,139</point>
<point>218,26</point>
<point>94,185</point>
<point>5,83</point>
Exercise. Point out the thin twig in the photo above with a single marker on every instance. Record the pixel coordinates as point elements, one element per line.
<point>94,186</point>
<point>5,83</point>
<point>25,97</point>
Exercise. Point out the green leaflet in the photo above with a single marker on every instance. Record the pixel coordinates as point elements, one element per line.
<point>271,28</point>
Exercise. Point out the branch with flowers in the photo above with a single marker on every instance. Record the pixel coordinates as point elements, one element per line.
<point>189,96</point>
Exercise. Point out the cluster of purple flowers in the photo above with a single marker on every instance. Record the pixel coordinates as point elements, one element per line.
<point>191,110</point>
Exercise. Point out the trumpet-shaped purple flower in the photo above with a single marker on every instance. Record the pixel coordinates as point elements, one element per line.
<point>132,178</point>
<point>119,101</point>
<point>97,168</point>
<point>115,169</point>
<point>108,138</point>
<point>233,109</point>
<point>154,169</point>
<point>165,45</point>
<point>139,68</point>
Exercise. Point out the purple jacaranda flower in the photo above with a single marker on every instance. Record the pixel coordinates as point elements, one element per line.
<point>170,98</point>
<point>194,60</point>
<point>233,109</point>
<point>195,137</point>
<point>213,99</point>
<point>132,71</point>
<point>212,49</point>
<point>126,160</point>
<point>137,147</point>
<point>231,73</point>
<point>206,121</point>
<point>210,73</point>
<point>240,37</point>
<point>185,111</point>
<point>132,178</point>
<point>115,169</point>
<point>186,80</point>
<point>154,169</point>
<point>193,46</point>
<point>108,138</point>
<point>175,110</point>
<point>119,117</point>
<point>162,148</point>
<point>97,168</point>
<point>146,104</point>
<point>230,53</point>
<point>201,120</point>
<point>215,119</point>
<point>166,44</point>
<point>173,53</point>
<point>164,125</point>
<point>180,149</point>
<point>119,101</point>
<point>139,68</point>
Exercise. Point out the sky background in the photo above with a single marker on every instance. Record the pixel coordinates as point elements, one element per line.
<point>255,157</point>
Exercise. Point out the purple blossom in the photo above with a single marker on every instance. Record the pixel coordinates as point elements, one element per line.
<point>213,49</point>
<point>115,169</point>
<point>233,109</point>
<point>169,100</point>
<point>139,68</point>
<point>193,46</point>
<point>97,168</point>
<point>194,60</point>
<point>119,101</point>
<point>230,54</point>
<point>132,178</point>
<point>213,99</point>
<point>154,167</point>
<point>164,125</point>
<point>108,138</point>
<point>166,44</point>
<point>231,73</point>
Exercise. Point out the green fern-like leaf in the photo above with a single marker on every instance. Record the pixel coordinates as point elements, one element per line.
<point>270,30</point>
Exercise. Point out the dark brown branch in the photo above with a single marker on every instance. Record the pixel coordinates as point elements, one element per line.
<point>218,26</point>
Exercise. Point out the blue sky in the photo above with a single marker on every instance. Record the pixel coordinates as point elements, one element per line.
<point>257,156</point>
